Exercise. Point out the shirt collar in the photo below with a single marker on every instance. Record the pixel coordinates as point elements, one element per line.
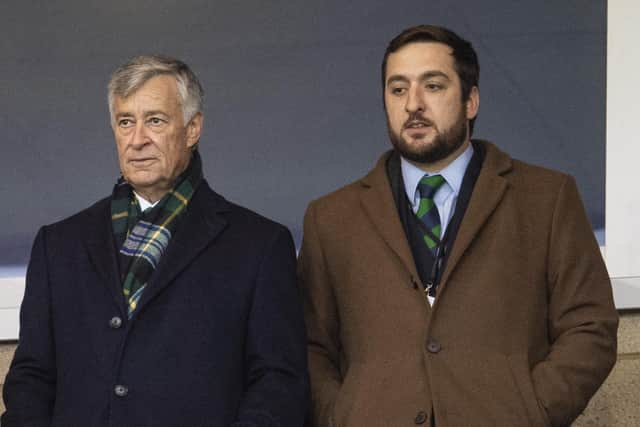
<point>453,173</point>
<point>144,203</point>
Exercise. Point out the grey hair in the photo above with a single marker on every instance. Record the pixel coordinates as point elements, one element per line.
<point>132,75</point>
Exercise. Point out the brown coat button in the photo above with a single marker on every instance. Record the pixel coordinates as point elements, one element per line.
<point>433,346</point>
<point>421,417</point>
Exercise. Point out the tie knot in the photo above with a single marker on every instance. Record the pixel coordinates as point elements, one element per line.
<point>429,184</point>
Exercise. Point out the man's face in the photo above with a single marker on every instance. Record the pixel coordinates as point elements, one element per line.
<point>154,144</point>
<point>426,117</point>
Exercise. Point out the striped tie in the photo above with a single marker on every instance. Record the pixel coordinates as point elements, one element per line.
<point>427,210</point>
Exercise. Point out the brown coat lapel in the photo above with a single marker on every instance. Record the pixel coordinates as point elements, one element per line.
<point>486,195</point>
<point>377,201</point>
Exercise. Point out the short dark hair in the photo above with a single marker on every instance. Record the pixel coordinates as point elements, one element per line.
<point>465,58</point>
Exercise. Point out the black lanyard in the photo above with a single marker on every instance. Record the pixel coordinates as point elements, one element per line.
<point>445,245</point>
<point>442,248</point>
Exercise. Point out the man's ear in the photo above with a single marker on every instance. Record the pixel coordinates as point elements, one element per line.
<point>194,129</point>
<point>473,103</point>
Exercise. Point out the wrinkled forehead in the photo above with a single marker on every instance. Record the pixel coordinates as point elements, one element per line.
<point>158,91</point>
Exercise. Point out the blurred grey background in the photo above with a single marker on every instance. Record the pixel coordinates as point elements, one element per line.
<point>293,96</point>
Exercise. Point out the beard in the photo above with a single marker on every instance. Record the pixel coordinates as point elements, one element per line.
<point>442,145</point>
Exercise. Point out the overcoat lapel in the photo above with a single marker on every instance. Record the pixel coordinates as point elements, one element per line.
<point>103,255</point>
<point>485,198</point>
<point>199,227</point>
<point>379,206</point>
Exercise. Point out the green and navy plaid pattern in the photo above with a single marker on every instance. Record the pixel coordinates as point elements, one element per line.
<point>427,210</point>
<point>143,237</point>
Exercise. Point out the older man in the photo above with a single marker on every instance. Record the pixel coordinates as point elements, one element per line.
<point>163,304</point>
<point>452,285</point>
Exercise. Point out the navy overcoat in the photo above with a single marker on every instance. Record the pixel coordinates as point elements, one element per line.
<point>217,338</point>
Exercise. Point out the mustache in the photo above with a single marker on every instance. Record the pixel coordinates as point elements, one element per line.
<point>417,118</point>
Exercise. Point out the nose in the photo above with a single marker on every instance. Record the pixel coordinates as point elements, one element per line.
<point>415,100</point>
<point>140,137</point>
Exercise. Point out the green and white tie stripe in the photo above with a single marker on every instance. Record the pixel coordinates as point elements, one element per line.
<point>427,210</point>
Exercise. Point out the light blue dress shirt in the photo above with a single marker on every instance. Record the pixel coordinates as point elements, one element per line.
<point>446,197</point>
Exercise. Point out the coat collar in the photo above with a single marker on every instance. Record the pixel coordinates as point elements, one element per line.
<point>202,223</point>
<point>100,246</point>
<point>485,198</point>
<point>200,226</point>
<point>379,206</point>
<point>377,201</point>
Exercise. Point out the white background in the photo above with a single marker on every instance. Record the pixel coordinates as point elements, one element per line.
<point>622,250</point>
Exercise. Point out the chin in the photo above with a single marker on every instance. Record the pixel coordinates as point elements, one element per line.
<point>420,147</point>
<point>141,180</point>
<point>419,144</point>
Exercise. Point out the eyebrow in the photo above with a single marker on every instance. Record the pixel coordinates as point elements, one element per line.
<point>154,113</point>
<point>146,114</point>
<point>424,76</point>
<point>124,114</point>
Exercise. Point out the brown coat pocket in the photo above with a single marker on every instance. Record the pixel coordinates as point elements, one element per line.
<point>522,377</point>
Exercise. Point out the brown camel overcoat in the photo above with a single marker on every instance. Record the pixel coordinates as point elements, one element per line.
<point>523,330</point>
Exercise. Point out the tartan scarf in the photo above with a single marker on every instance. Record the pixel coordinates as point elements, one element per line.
<point>143,237</point>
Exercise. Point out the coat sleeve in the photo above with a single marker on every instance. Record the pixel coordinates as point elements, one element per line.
<point>582,320</point>
<point>321,316</point>
<point>277,381</point>
<point>29,389</point>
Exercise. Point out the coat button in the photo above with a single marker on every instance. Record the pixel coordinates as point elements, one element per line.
<point>120,390</point>
<point>115,322</point>
<point>433,346</point>
<point>421,417</point>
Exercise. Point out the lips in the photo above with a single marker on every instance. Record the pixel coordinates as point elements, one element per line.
<point>417,122</point>
<point>141,161</point>
<point>416,125</point>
